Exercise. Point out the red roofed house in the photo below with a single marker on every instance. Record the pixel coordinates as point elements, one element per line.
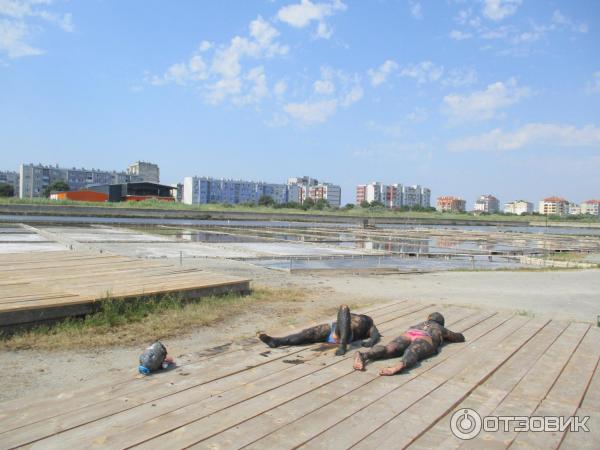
<point>591,207</point>
<point>554,206</point>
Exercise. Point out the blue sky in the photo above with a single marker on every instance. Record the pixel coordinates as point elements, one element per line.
<point>464,96</point>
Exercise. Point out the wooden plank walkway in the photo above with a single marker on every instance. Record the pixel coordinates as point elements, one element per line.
<point>51,285</point>
<point>248,396</point>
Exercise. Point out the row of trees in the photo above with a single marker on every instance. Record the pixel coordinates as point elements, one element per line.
<point>7,190</point>
<point>378,205</point>
<point>309,203</point>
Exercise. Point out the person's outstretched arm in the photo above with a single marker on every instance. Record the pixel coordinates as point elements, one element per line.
<point>451,336</point>
<point>374,337</point>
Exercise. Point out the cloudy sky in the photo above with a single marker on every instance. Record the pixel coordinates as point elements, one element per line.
<point>463,96</point>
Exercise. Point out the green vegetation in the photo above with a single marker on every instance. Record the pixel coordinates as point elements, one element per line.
<point>57,186</point>
<point>138,321</point>
<point>6,190</point>
<point>318,208</point>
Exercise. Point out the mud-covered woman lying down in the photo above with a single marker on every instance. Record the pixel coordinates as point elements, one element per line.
<point>418,342</point>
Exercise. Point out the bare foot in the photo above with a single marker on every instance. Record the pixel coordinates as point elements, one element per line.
<point>267,339</point>
<point>392,370</point>
<point>359,361</point>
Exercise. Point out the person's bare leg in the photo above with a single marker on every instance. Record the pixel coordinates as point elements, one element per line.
<point>311,335</point>
<point>343,329</point>
<point>391,350</point>
<point>418,349</point>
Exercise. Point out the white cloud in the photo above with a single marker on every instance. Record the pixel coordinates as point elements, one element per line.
<point>335,89</point>
<point>458,35</point>
<point>381,74</point>
<point>280,88</point>
<point>483,105</point>
<point>415,10</point>
<point>593,87</point>
<point>500,9</point>
<point>560,19</point>
<point>423,72</point>
<point>311,112</point>
<point>460,77</point>
<point>531,135</point>
<point>21,20</point>
<point>324,87</point>
<point>221,75</point>
<point>352,96</point>
<point>300,15</point>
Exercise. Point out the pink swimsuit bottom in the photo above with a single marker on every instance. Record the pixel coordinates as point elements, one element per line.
<point>413,334</point>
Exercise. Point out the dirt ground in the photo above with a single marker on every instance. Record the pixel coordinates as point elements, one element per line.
<point>571,294</point>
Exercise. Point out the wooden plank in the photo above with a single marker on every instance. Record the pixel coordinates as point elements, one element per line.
<point>10,408</point>
<point>505,340</point>
<point>270,421</point>
<point>566,394</point>
<point>317,422</point>
<point>418,418</point>
<point>160,405</point>
<point>534,387</point>
<point>583,440</point>
<point>226,365</point>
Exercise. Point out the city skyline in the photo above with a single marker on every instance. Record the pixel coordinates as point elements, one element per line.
<point>465,97</point>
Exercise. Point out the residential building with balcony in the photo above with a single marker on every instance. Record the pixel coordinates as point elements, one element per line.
<point>488,204</point>
<point>591,207</point>
<point>144,171</point>
<point>518,207</point>
<point>554,206</point>
<point>449,203</point>
<point>34,178</point>
<point>11,178</point>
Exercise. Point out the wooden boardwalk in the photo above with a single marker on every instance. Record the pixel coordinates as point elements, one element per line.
<point>50,285</point>
<point>304,397</point>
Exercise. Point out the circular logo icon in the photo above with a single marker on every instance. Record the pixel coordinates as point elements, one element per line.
<point>465,424</point>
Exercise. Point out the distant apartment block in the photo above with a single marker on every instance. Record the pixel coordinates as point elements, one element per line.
<point>488,204</point>
<point>327,191</point>
<point>393,195</point>
<point>518,207</point>
<point>202,190</point>
<point>299,188</point>
<point>34,178</point>
<point>144,171</point>
<point>451,204</point>
<point>12,178</point>
<point>574,209</point>
<point>591,207</point>
<point>554,206</point>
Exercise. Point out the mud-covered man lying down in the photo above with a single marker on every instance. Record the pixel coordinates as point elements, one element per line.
<point>348,328</point>
<point>418,342</point>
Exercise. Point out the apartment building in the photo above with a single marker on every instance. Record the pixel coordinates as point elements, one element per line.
<point>34,178</point>
<point>488,204</point>
<point>574,209</point>
<point>451,204</point>
<point>518,207</point>
<point>554,206</point>
<point>144,171</point>
<point>202,190</point>
<point>326,191</point>
<point>302,187</point>
<point>393,195</point>
<point>591,207</point>
<point>12,178</point>
<point>416,195</point>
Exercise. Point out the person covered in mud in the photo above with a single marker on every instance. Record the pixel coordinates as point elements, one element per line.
<point>417,343</point>
<point>348,328</point>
